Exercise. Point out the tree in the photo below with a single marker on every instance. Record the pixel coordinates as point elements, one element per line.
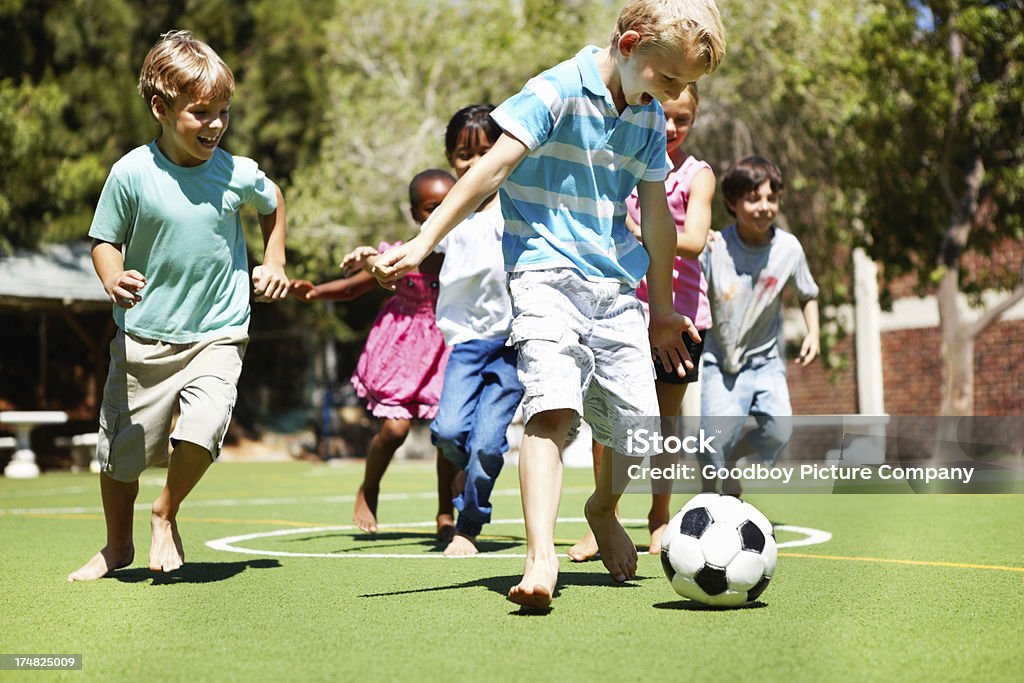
<point>784,92</point>
<point>396,72</point>
<point>69,107</point>
<point>938,167</point>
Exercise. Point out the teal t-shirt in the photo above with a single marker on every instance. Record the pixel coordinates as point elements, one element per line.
<point>181,229</point>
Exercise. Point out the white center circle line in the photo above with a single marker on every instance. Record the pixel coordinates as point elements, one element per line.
<point>228,544</point>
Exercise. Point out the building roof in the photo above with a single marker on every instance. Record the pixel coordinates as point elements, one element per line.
<point>55,276</point>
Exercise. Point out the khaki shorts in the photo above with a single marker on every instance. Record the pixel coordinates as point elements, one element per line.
<point>583,346</point>
<point>147,381</point>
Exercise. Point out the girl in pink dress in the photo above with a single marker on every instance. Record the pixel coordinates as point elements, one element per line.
<point>401,369</point>
<point>690,187</point>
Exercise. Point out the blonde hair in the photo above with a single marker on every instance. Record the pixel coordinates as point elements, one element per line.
<point>691,90</point>
<point>181,65</point>
<point>671,25</point>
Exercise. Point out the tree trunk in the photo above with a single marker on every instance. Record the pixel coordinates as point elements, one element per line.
<point>957,337</point>
<point>957,349</point>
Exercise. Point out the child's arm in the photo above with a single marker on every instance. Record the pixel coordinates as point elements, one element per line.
<point>667,327</point>
<point>360,258</point>
<point>345,289</point>
<point>269,280</point>
<point>811,347</point>
<point>691,243</point>
<point>122,286</point>
<point>479,183</point>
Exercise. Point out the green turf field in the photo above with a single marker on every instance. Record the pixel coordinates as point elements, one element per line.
<point>908,588</point>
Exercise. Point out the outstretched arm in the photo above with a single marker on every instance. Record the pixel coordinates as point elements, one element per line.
<point>479,183</point>
<point>345,289</point>
<point>269,280</point>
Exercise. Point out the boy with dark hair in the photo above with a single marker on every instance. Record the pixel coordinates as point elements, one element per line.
<point>746,269</point>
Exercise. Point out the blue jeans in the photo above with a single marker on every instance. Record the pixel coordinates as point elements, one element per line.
<point>478,401</point>
<point>760,390</point>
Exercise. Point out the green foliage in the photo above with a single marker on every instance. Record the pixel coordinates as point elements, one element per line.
<point>69,106</point>
<point>397,70</point>
<point>783,92</point>
<point>927,114</point>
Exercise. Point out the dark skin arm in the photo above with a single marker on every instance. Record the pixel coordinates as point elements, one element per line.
<point>345,289</point>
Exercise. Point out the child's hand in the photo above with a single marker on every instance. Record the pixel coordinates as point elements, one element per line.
<point>714,237</point>
<point>809,350</point>
<point>124,289</point>
<point>303,290</point>
<point>666,335</point>
<point>269,283</point>
<point>356,260</point>
<point>397,261</point>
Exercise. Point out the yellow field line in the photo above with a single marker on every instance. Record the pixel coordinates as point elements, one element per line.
<point>922,563</point>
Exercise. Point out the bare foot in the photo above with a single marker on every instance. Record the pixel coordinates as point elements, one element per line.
<point>365,515</point>
<point>538,585</point>
<point>102,563</point>
<point>166,552</point>
<point>445,528</point>
<point>585,548</point>
<point>461,546</point>
<point>655,548</point>
<point>617,550</point>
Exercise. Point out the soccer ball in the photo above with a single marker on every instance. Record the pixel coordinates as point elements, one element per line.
<point>719,550</point>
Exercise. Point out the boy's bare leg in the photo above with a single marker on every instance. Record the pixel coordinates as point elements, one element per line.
<point>670,403</point>
<point>657,520</point>
<point>461,546</point>
<point>586,548</point>
<point>540,481</point>
<point>617,550</point>
<point>188,464</point>
<point>446,475</point>
<point>392,434</point>
<point>118,513</point>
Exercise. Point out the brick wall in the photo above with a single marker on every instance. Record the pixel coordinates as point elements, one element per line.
<point>813,392</point>
<point>912,367</point>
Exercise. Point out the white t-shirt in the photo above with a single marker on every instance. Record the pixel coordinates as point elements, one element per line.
<point>745,289</point>
<point>473,302</point>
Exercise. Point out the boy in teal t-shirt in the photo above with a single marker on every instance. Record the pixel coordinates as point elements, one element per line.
<point>169,249</point>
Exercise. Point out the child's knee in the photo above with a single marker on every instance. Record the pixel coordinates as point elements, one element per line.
<point>551,423</point>
<point>394,432</point>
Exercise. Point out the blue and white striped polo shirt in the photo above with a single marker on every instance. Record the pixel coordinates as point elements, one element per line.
<point>564,204</point>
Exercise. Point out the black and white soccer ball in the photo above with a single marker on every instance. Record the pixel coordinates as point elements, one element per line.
<point>719,550</point>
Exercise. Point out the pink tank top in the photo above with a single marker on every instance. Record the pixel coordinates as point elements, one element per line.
<point>689,288</point>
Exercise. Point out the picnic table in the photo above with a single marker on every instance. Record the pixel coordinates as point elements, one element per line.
<point>23,462</point>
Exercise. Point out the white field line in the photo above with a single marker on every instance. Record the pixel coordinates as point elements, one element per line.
<point>811,537</point>
<point>43,493</point>
<point>240,502</point>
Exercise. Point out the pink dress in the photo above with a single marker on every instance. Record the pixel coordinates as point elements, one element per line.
<point>402,365</point>
<point>689,288</point>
